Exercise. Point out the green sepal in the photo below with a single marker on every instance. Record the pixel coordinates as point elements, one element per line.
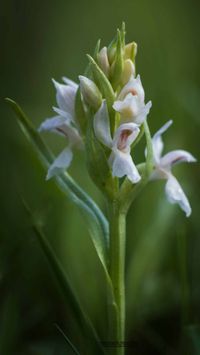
<point>97,163</point>
<point>105,88</point>
<point>81,116</point>
<point>118,64</point>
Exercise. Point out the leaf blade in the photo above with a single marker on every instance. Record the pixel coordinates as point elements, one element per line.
<point>82,318</point>
<point>97,223</point>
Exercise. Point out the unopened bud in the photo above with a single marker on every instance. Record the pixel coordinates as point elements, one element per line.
<point>130,51</point>
<point>129,70</point>
<point>103,61</point>
<point>118,64</point>
<point>90,92</point>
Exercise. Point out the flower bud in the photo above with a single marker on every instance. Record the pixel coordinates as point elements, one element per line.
<point>129,70</point>
<point>118,64</point>
<point>130,51</point>
<point>111,50</point>
<point>103,61</point>
<point>90,92</point>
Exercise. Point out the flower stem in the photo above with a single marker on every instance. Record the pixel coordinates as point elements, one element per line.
<point>117,273</point>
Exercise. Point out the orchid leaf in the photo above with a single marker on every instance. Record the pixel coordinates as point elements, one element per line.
<point>95,219</point>
<point>81,317</point>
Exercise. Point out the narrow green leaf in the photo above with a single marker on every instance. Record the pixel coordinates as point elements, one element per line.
<point>82,318</point>
<point>96,221</point>
<point>68,340</point>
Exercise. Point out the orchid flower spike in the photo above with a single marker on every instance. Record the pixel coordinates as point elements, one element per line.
<point>130,102</point>
<point>120,159</point>
<point>163,167</point>
<point>64,124</point>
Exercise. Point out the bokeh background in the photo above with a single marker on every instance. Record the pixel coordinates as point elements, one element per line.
<point>45,39</point>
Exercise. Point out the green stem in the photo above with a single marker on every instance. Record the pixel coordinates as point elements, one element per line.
<point>117,273</point>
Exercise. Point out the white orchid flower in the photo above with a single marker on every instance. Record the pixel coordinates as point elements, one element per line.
<point>120,159</point>
<point>130,102</point>
<point>63,123</point>
<point>163,167</point>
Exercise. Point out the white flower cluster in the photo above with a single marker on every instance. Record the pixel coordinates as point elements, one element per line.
<point>132,110</point>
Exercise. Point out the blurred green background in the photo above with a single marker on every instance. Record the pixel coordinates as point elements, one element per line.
<point>45,39</point>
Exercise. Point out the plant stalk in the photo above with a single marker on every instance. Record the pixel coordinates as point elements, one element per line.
<point>117,274</point>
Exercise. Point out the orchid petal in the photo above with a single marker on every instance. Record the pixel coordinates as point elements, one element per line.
<point>65,97</point>
<point>59,125</point>
<point>129,107</point>
<point>61,163</point>
<point>158,142</point>
<point>175,157</point>
<point>102,125</point>
<point>122,164</point>
<point>134,86</point>
<point>140,118</point>
<point>125,136</point>
<point>73,135</point>
<point>50,124</point>
<point>66,115</point>
<point>70,82</point>
<point>175,194</point>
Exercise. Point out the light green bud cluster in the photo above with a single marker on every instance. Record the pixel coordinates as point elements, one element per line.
<point>108,71</point>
